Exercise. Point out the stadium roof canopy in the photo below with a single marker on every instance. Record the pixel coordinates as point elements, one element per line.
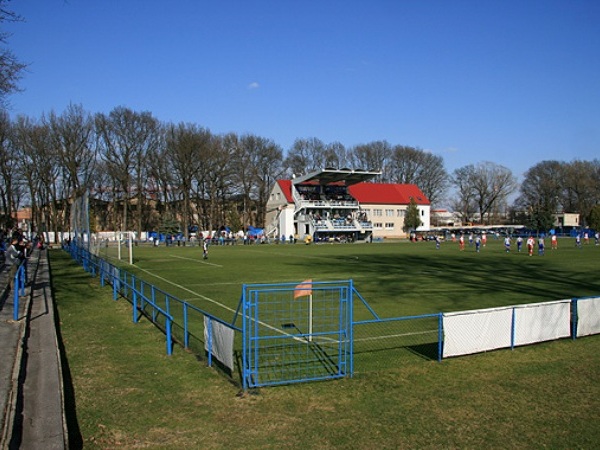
<point>328,176</point>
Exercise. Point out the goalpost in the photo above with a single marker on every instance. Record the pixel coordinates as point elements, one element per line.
<point>129,236</point>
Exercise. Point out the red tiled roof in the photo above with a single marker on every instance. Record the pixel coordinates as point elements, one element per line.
<point>373,193</point>
<point>286,187</point>
<point>387,193</point>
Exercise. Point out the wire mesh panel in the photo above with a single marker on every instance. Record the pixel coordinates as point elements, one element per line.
<point>392,342</point>
<point>296,332</point>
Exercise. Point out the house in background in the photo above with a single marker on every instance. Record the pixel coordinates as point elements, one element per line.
<point>340,205</point>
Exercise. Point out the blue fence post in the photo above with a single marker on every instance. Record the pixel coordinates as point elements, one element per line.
<point>134,302</point>
<point>574,318</point>
<point>169,340</point>
<point>350,325</point>
<point>101,272</point>
<point>15,300</point>
<point>23,276</point>
<point>245,368</point>
<point>115,289</point>
<point>186,338</point>
<point>513,328</point>
<point>440,336</point>
<point>209,343</point>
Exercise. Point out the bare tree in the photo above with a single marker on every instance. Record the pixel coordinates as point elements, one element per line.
<point>127,138</point>
<point>267,167</point>
<point>581,187</point>
<point>373,156</point>
<point>540,193</point>
<point>336,156</point>
<point>11,69</point>
<point>73,139</point>
<point>464,201</point>
<point>489,185</point>
<point>305,156</point>
<point>415,166</point>
<point>10,186</point>
<point>187,148</point>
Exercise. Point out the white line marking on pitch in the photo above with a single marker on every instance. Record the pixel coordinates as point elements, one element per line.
<point>196,260</point>
<point>222,305</point>
<point>188,290</point>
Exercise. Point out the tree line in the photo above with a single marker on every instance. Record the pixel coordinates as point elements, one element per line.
<point>141,173</point>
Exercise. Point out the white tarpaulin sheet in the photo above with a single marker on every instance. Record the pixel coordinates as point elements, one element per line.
<point>540,322</point>
<point>588,316</point>
<point>221,339</point>
<point>476,331</point>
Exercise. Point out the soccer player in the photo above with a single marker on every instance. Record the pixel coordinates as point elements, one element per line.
<point>519,243</point>
<point>507,244</point>
<point>461,242</point>
<point>530,244</point>
<point>554,242</point>
<point>477,243</point>
<point>205,249</point>
<point>541,246</point>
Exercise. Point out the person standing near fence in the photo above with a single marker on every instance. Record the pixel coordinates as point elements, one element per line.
<point>14,256</point>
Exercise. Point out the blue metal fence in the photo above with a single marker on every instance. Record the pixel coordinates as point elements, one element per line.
<point>18,283</point>
<point>181,321</point>
<point>290,332</point>
<point>296,332</point>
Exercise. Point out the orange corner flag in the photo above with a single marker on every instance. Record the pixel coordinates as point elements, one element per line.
<point>304,288</point>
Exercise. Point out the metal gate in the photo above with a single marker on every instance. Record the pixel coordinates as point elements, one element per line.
<point>296,332</point>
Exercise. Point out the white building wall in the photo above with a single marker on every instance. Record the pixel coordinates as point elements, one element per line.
<point>286,221</point>
<point>425,215</point>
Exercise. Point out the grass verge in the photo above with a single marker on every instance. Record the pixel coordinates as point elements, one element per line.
<point>128,394</point>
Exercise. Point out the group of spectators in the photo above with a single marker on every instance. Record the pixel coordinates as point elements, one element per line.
<point>16,248</point>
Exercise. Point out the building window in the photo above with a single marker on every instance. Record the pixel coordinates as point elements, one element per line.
<point>389,226</point>
<point>400,213</point>
<point>377,212</point>
<point>377,225</point>
<point>389,213</point>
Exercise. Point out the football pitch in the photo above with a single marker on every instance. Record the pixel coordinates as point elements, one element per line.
<point>396,278</point>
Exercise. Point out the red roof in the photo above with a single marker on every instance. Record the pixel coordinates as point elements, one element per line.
<point>286,187</point>
<point>373,193</point>
<point>387,193</point>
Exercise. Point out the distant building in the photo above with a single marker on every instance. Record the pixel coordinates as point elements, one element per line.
<point>339,205</point>
<point>562,220</point>
<point>23,219</point>
<point>445,218</point>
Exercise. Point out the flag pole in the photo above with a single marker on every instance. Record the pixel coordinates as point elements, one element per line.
<point>310,316</point>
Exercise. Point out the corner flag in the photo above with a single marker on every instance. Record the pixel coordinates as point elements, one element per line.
<point>303,289</point>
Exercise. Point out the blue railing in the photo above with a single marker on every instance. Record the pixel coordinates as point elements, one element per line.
<point>165,311</point>
<point>18,283</point>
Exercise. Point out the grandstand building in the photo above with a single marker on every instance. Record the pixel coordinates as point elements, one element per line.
<point>341,205</point>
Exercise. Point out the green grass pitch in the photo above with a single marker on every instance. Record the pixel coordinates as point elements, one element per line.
<point>395,278</point>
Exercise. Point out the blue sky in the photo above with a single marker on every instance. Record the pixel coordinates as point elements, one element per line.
<point>512,82</point>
